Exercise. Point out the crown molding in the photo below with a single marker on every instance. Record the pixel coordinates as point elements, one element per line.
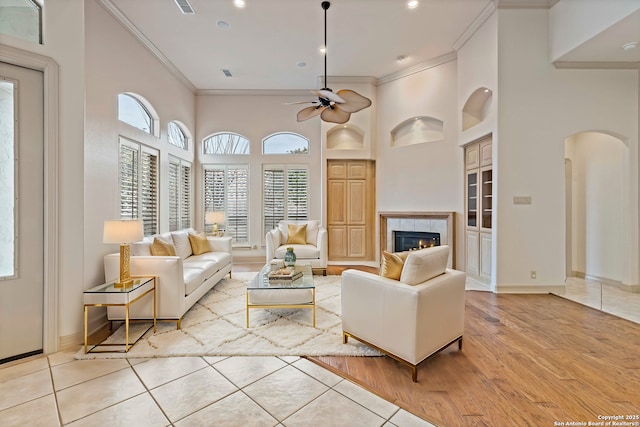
<point>524,4</point>
<point>139,35</point>
<point>594,65</point>
<point>253,92</point>
<point>348,79</point>
<point>452,56</point>
<point>475,26</point>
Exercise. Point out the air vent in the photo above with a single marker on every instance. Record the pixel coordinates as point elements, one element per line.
<point>184,6</point>
<point>226,72</point>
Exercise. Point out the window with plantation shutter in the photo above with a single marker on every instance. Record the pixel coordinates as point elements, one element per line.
<point>139,184</point>
<point>226,189</point>
<point>179,194</point>
<point>285,194</point>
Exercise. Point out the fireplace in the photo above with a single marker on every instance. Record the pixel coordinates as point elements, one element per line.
<point>439,223</point>
<point>413,240</point>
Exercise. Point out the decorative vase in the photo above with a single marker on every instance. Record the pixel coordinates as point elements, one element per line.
<point>290,258</point>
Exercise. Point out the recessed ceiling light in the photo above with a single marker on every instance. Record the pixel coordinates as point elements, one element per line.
<point>401,58</point>
<point>412,4</point>
<point>239,3</point>
<point>323,49</point>
<point>629,46</point>
<point>301,64</point>
<point>223,25</point>
<point>226,72</point>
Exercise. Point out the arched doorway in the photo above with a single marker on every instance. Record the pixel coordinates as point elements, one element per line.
<point>597,232</point>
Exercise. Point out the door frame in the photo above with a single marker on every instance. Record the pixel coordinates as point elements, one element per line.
<point>49,68</point>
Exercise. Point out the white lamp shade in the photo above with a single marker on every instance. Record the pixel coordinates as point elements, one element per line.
<point>214,217</point>
<point>123,231</point>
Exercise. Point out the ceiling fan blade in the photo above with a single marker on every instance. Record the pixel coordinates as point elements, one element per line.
<point>307,113</point>
<point>335,115</point>
<point>353,101</point>
<point>330,95</point>
<point>300,102</point>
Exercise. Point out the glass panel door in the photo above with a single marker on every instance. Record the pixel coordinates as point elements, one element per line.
<point>472,199</point>
<point>487,195</point>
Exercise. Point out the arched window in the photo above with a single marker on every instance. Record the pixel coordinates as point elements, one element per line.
<point>177,135</point>
<point>226,143</point>
<point>285,143</point>
<point>132,110</point>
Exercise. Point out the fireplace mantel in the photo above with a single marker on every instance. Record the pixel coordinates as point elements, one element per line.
<point>449,217</point>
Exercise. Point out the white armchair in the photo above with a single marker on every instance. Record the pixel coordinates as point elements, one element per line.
<point>410,319</point>
<point>314,249</point>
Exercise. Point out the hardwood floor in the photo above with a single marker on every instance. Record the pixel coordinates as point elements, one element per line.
<point>526,360</point>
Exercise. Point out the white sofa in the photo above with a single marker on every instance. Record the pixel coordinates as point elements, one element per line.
<point>315,250</point>
<point>181,280</point>
<point>409,319</point>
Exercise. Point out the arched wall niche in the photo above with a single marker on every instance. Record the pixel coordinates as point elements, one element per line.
<point>345,137</point>
<point>417,130</point>
<point>476,108</point>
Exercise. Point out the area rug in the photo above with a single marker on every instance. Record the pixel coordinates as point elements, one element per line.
<point>215,326</point>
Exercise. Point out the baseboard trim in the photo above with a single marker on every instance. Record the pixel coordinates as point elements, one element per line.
<point>609,282</point>
<point>530,289</point>
<point>71,342</point>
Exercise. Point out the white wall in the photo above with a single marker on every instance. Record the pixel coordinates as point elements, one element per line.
<point>116,63</point>
<point>573,22</point>
<point>598,173</point>
<point>256,117</point>
<point>421,177</point>
<point>478,67</point>
<point>539,107</point>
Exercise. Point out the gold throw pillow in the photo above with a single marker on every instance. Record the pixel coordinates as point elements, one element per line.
<point>199,243</point>
<point>162,248</point>
<point>297,234</point>
<point>392,264</point>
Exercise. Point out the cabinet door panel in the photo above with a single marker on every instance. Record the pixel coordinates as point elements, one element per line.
<point>472,157</point>
<point>473,262</point>
<point>486,157</point>
<point>485,256</point>
<point>336,202</point>
<point>337,170</point>
<point>357,242</point>
<point>357,170</point>
<point>357,202</point>
<point>337,236</point>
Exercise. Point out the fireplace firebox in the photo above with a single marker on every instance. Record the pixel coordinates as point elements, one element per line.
<point>414,240</point>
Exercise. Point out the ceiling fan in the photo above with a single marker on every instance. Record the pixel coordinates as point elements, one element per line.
<point>335,107</point>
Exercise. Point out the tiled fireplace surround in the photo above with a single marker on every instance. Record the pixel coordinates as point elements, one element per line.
<point>435,222</point>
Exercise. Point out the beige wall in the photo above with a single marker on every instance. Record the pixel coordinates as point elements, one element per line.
<point>428,176</point>
<point>64,44</point>
<point>256,117</point>
<point>539,107</point>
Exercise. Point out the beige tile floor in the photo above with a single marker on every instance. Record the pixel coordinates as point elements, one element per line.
<point>187,391</point>
<point>603,297</point>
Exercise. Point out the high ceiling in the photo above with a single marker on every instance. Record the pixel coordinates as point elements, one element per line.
<point>267,40</point>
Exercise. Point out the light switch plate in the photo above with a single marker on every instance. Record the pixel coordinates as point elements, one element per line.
<point>521,200</point>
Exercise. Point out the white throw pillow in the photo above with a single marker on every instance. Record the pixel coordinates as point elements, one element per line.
<point>424,264</point>
<point>182,243</point>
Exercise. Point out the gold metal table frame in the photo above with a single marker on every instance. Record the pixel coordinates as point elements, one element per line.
<point>261,282</point>
<point>142,285</point>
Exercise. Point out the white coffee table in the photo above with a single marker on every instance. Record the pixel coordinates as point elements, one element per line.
<point>299,293</point>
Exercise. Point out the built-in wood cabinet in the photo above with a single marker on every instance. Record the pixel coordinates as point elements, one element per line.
<point>350,209</point>
<point>478,208</point>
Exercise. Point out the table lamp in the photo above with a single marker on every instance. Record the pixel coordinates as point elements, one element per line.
<point>214,218</point>
<point>123,231</point>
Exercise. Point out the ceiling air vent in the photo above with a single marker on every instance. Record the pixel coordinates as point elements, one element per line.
<point>184,6</point>
<point>226,72</point>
